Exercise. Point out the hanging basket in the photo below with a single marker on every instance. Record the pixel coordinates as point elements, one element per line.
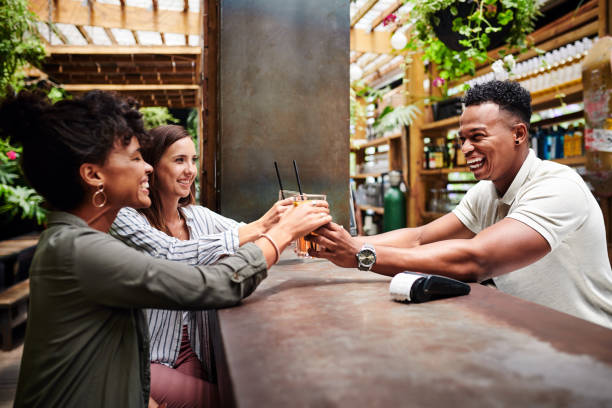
<point>444,30</point>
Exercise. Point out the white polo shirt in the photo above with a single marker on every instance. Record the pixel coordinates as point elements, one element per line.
<point>575,277</point>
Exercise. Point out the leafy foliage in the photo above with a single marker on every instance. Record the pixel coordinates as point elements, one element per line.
<point>22,201</point>
<point>19,43</point>
<point>391,118</point>
<point>361,95</point>
<point>476,28</point>
<point>16,198</point>
<point>156,116</point>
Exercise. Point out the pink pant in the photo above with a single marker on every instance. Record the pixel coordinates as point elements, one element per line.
<point>181,386</point>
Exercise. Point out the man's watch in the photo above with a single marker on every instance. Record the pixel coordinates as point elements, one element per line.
<point>366,257</point>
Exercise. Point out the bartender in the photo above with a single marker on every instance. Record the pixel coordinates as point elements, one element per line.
<point>531,225</point>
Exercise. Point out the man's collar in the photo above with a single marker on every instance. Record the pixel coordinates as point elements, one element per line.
<point>520,178</point>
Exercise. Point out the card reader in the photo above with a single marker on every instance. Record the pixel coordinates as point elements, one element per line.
<point>417,287</point>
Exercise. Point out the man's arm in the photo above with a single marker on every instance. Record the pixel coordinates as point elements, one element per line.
<point>501,248</point>
<point>446,227</point>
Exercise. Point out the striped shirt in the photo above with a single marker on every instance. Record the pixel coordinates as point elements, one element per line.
<point>211,236</point>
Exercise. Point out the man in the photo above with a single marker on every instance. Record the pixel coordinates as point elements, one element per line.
<point>532,226</point>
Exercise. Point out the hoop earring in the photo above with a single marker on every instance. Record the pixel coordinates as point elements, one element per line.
<point>99,193</point>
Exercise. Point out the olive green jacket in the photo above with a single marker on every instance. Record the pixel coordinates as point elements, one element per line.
<point>86,342</point>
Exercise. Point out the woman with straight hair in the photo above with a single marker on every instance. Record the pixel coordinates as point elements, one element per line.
<point>86,342</point>
<point>174,228</point>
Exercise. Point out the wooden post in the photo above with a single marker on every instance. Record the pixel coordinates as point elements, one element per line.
<point>605,18</point>
<point>416,201</point>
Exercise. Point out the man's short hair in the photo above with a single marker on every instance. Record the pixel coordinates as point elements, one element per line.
<point>510,96</point>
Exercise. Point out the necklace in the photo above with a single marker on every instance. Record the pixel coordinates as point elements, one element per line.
<point>181,229</point>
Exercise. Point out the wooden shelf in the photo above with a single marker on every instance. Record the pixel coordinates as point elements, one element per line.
<point>445,170</point>
<point>543,99</point>
<point>365,175</point>
<point>441,124</point>
<point>568,117</point>
<point>572,161</point>
<point>549,97</point>
<point>568,161</point>
<point>377,142</point>
<point>377,210</point>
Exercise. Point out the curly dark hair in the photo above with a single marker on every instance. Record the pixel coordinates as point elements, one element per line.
<point>510,96</point>
<point>58,138</point>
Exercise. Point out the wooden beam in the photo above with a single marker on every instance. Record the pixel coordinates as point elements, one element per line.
<point>110,35</point>
<point>113,50</point>
<point>605,18</point>
<point>58,32</point>
<point>376,67</point>
<point>362,11</point>
<point>378,42</point>
<point>85,34</point>
<point>391,9</point>
<point>356,56</point>
<point>113,16</point>
<point>131,87</point>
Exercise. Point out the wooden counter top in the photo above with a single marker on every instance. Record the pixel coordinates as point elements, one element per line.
<point>315,335</point>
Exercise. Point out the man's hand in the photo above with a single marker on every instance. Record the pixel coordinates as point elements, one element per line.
<point>336,245</point>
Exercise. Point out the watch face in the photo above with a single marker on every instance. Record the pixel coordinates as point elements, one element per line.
<point>367,257</point>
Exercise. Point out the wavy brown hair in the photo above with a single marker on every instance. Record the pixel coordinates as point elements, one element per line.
<point>162,138</point>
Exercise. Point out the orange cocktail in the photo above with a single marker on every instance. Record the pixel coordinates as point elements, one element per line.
<point>301,245</point>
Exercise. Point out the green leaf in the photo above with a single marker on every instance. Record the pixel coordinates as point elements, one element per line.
<point>156,116</point>
<point>505,17</point>
<point>484,41</point>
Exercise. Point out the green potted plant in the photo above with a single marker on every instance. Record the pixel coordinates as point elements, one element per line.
<point>469,28</point>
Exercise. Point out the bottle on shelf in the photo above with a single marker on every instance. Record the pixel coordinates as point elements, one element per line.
<point>394,204</point>
<point>427,150</point>
<point>568,142</point>
<point>578,149</point>
<point>534,140</point>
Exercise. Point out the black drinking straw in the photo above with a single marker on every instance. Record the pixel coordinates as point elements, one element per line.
<point>279,180</point>
<point>297,176</point>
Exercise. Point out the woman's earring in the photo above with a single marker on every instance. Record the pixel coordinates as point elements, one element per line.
<point>99,198</point>
<point>516,142</point>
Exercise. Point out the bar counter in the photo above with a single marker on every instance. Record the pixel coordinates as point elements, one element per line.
<point>316,335</point>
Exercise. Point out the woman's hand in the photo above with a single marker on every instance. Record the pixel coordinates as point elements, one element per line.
<point>252,231</point>
<point>336,245</point>
<point>305,218</point>
<point>274,214</point>
<point>295,222</point>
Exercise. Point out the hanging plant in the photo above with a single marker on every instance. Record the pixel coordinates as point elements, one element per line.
<point>470,29</point>
<point>19,42</point>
